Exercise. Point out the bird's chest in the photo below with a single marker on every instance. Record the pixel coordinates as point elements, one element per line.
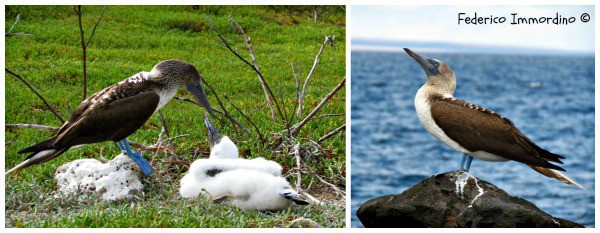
<point>165,96</point>
<point>423,109</point>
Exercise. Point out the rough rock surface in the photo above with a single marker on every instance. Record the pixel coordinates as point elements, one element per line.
<point>455,199</point>
<point>114,180</point>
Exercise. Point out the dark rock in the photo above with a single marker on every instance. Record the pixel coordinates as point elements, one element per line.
<point>444,201</point>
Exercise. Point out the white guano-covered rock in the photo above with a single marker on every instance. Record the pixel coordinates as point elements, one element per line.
<point>115,180</point>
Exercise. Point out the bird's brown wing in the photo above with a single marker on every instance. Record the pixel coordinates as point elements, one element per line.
<point>478,129</point>
<point>109,120</point>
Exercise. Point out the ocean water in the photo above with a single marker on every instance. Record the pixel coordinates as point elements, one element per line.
<point>550,99</point>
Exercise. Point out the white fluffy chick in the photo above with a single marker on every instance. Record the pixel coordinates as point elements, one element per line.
<point>248,190</point>
<point>249,184</point>
<point>203,170</point>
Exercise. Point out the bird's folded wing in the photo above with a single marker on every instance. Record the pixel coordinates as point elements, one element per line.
<point>478,129</point>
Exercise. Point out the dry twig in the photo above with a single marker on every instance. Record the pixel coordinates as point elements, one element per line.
<point>328,135</point>
<point>296,152</point>
<point>312,70</point>
<point>31,126</point>
<point>226,114</point>
<point>38,94</point>
<point>16,33</point>
<point>296,128</point>
<point>212,26</point>
<point>257,68</point>
<point>85,44</point>
<point>260,137</point>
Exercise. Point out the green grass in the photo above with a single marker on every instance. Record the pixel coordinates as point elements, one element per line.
<point>133,39</point>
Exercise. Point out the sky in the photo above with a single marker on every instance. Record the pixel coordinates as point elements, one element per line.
<point>437,27</point>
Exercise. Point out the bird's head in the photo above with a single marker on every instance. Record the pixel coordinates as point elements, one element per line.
<point>439,74</point>
<point>183,74</point>
<point>221,147</point>
<point>288,193</point>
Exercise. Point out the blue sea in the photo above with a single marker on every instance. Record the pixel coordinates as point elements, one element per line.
<point>549,98</point>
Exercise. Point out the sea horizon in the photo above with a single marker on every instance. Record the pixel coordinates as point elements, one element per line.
<point>389,45</point>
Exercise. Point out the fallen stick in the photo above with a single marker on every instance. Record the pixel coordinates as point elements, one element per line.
<point>31,126</point>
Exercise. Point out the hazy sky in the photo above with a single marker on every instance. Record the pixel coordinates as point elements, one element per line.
<point>440,24</point>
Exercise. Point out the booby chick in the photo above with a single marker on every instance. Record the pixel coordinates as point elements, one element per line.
<point>475,130</point>
<point>248,184</point>
<point>221,147</point>
<point>247,190</point>
<point>117,111</point>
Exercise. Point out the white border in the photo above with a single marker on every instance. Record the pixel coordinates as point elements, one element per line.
<point>349,4</point>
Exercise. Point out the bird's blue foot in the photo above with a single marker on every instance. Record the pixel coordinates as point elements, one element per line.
<point>137,158</point>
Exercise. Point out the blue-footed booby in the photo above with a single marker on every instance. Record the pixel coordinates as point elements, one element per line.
<point>248,184</point>
<point>474,130</point>
<point>117,111</point>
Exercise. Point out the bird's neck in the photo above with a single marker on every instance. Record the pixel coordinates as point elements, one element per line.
<point>430,89</point>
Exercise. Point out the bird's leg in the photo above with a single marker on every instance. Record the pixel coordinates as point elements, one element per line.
<point>462,162</point>
<point>137,158</point>
<point>469,160</point>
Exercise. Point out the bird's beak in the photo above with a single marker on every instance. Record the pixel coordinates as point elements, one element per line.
<point>429,65</point>
<point>213,134</point>
<point>198,92</point>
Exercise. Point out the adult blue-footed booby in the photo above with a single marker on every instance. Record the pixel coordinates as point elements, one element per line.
<point>117,111</point>
<point>475,130</point>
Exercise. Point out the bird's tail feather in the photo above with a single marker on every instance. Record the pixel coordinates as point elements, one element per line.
<point>37,158</point>
<point>556,175</point>
<point>45,145</point>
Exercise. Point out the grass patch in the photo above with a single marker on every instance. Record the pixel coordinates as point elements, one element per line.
<point>131,39</point>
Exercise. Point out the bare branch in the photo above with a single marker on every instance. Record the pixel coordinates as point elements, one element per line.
<point>318,147</point>
<point>193,102</point>
<point>95,25</point>
<point>225,113</point>
<point>296,128</point>
<point>297,97</point>
<point>83,47</point>
<point>328,135</point>
<point>85,44</point>
<point>337,190</point>
<point>11,27</point>
<point>312,70</point>
<point>140,146</point>
<point>11,140</point>
<point>212,26</point>
<point>327,115</point>
<point>38,94</point>
<point>16,33</point>
<point>260,137</point>
<point>233,120</point>
<point>296,152</point>
<point>262,81</point>
<point>31,126</point>
<point>176,137</point>
<point>164,124</point>
<point>259,107</point>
